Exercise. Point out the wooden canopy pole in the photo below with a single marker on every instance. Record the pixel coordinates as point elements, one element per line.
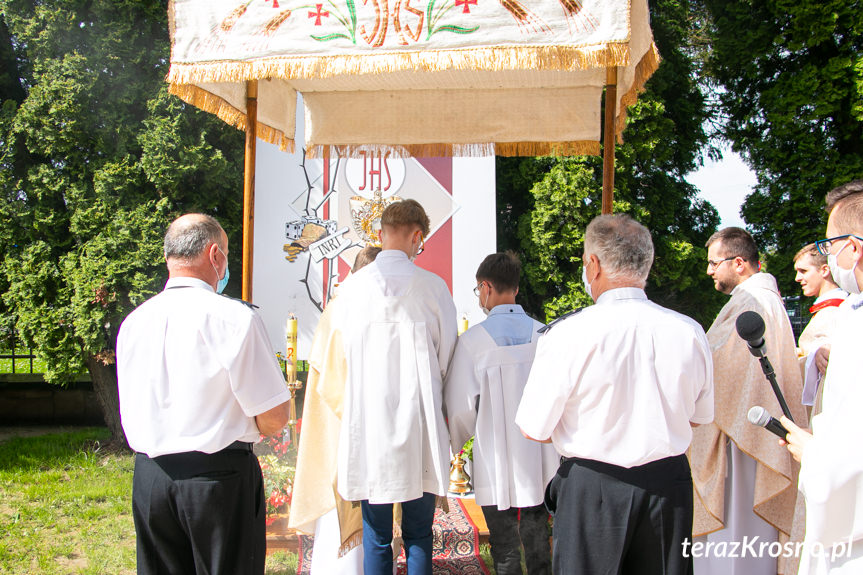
<point>608,140</point>
<point>249,187</point>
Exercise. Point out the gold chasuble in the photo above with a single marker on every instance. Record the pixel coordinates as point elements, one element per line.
<point>314,484</point>
<point>739,384</point>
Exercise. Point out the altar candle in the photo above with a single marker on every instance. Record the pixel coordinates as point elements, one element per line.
<point>291,350</point>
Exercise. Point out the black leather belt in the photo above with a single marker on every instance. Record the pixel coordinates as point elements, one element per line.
<point>241,446</point>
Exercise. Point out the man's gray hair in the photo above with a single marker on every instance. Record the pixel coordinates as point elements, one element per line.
<point>622,245</point>
<point>187,236</point>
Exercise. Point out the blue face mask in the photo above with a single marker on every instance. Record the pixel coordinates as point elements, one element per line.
<point>220,287</point>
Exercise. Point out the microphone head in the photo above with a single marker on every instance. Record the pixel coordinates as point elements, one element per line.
<point>758,416</point>
<point>750,326</point>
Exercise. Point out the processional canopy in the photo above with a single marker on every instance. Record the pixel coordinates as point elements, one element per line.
<point>417,77</point>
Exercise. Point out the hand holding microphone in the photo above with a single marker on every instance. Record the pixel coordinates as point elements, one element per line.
<point>759,416</point>
<point>792,436</point>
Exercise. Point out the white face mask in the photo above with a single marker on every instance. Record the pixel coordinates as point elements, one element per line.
<point>485,310</point>
<point>584,279</point>
<point>843,278</point>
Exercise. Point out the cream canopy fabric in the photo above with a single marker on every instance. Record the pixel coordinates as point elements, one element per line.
<point>419,77</point>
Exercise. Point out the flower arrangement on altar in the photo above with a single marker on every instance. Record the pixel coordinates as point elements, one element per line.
<point>466,452</point>
<point>278,468</point>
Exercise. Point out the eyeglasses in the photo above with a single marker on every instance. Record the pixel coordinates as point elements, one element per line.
<point>715,264</point>
<point>422,245</point>
<point>476,289</point>
<point>824,246</point>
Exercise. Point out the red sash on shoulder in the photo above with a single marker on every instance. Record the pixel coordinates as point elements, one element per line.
<point>835,302</point>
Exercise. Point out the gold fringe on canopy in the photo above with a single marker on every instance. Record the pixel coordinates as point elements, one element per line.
<point>213,104</point>
<point>645,68</point>
<point>558,58</point>
<point>184,76</point>
<point>584,148</point>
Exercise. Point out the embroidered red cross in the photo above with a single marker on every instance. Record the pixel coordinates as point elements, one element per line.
<point>324,13</point>
<point>466,4</point>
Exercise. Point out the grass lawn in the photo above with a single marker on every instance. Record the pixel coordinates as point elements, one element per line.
<point>65,508</point>
<point>22,365</point>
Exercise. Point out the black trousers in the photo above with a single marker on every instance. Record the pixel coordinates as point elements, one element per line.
<point>610,520</point>
<point>507,534</point>
<point>198,513</point>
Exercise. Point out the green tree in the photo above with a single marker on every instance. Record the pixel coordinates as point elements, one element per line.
<point>100,158</point>
<point>789,79</point>
<point>546,203</point>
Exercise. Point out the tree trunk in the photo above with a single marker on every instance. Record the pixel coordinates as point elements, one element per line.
<point>105,385</point>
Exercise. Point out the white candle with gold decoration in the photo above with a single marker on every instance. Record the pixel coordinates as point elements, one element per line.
<point>291,350</point>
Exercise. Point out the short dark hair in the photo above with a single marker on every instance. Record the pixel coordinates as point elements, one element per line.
<point>187,237</point>
<point>502,270</point>
<point>845,205</point>
<point>839,193</point>
<point>406,214</point>
<point>736,242</point>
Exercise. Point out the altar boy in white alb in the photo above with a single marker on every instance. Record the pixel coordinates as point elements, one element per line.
<point>483,389</point>
<point>398,326</point>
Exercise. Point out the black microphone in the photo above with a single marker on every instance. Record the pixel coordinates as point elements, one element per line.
<point>750,328</point>
<point>759,416</point>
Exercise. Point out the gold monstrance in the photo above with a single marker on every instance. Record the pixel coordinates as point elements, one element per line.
<point>366,215</point>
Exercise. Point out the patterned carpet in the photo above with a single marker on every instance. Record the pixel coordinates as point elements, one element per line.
<point>455,547</point>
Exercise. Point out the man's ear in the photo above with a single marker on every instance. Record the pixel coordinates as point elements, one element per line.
<point>596,266</point>
<point>857,246</point>
<point>211,251</point>
<point>824,271</point>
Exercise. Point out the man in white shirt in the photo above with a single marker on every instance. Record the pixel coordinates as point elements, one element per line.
<point>831,473</point>
<point>398,328</point>
<point>483,388</point>
<point>745,485</point>
<point>815,279</point>
<point>616,388</point>
<point>199,383</point>
<point>813,275</point>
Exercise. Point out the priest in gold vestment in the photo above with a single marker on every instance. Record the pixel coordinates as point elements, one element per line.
<point>745,484</point>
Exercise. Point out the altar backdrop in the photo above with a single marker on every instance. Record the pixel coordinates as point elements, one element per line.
<point>305,241</point>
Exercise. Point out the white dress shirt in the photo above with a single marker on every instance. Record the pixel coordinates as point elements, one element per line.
<point>619,382</point>
<point>398,325</point>
<point>193,369</point>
